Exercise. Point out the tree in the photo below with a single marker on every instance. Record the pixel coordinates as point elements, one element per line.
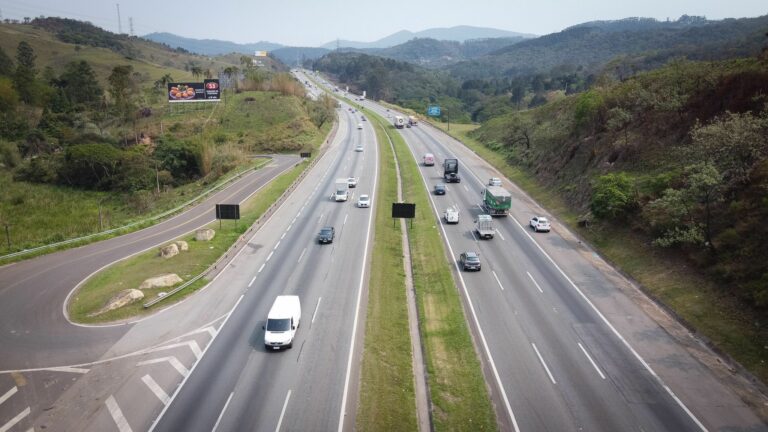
<point>518,93</point>
<point>734,143</point>
<point>518,132</point>
<point>80,85</point>
<point>197,71</point>
<point>6,64</point>
<point>612,196</point>
<point>618,120</point>
<point>25,74</point>
<point>122,88</point>
<point>684,215</point>
<point>588,105</point>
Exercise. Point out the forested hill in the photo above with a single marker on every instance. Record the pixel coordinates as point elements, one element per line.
<point>643,44</point>
<point>433,53</point>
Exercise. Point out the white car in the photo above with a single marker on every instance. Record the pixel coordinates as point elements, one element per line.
<point>364,201</point>
<point>494,181</point>
<point>359,148</point>
<point>540,223</point>
<point>451,215</point>
<point>359,125</point>
<point>352,182</point>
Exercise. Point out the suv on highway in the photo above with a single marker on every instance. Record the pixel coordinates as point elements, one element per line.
<point>439,189</point>
<point>469,261</point>
<point>539,223</point>
<point>326,235</point>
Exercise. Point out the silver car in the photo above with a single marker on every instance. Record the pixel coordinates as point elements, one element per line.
<point>539,223</point>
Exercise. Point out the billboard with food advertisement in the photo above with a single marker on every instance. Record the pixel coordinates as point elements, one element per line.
<point>207,91</point>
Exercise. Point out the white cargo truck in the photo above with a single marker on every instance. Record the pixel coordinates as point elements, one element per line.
<point>484,226</point>
<point>399,122</point>
<point>342,190</point>
<point>282,322</point>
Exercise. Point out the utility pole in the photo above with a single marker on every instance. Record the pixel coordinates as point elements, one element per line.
<point>8,235</point>
<point>119,22</point>
<point>157,179</point>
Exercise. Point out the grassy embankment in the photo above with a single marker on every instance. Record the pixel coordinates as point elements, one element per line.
<point>457,389</point>
<point>690,294</point>
<point>387,400</point>
<point>131,272</point>
<point>269,123</point>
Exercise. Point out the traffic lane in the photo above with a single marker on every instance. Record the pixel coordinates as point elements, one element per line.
<point>558,343</point>
<point>700,387</point>
<point>35,290</point>
<point>233,413</point>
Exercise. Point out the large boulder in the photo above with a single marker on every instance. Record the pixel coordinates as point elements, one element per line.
<point>183,246</point>
<point>123,298</point>
<point>169,251</point>
<point>166,280</point>
<point>204,234</point>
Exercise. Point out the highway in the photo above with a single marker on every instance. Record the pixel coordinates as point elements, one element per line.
<point>567,342</point>
<point>238,384</point>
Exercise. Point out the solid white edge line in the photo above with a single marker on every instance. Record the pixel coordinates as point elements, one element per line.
<point>260,269</point>
<point>316,309</point>
<point>359,295</point>
<point>221,414</point>
<point>156,389</point>
<point>497,280</point>
<point>591,361</point>
<point>534,282</point>
<point>183,381</point>
<point>12,422</point>
<point>282,413</point>
<point>613,330</point>
<point>345,219</point>
<point>252,281</point>
<point>117,415</point>
<point>480,332</point>
<point>543,363</point>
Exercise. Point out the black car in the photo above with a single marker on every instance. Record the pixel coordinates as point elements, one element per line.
<point>326,235</point>
<point>470,261</point>
<point>439,189</point>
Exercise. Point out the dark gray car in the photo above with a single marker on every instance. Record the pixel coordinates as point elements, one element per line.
<point>470,261</point>
<point>326,235</point>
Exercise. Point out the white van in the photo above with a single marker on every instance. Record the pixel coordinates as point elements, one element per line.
<point>282,322</point>
<point>429,159</point>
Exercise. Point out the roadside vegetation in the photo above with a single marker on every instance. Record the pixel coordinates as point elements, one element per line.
<point>93,127</point>
<point>131,272</point>
<point>458,394</point>
<point>665,173</point>
<point>387,399</point>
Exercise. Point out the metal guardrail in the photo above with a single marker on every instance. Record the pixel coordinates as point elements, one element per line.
<point>224,259</point>
<point>130,225</point>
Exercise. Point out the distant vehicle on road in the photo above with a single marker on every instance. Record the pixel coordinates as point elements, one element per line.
<point>469,261</point>
<point>359,125</point>
<point>496,201</point>
<point>451,171</point>
<point>359,148</point>
<point>364,201</point>
<point>399,122</point>
<point>429,159</point>
<point>439,189</point>
<point>539,223</point>
<point>413,121</point>
<point>282,321</point>
<point>484,226</point>
<point>451,215</point>
<point>342,190</point>
<point>352,182</point>
<point>326,235</point>
<point>494,181</point>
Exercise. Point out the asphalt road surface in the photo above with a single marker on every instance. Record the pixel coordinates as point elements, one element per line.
<point>567,343</point>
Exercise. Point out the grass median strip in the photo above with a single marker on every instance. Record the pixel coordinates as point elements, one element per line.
<point>129,273</point>
<point>387,400</point>
<point>457,387</point>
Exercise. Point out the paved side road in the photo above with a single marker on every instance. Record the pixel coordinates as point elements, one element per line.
<point>34,332</point>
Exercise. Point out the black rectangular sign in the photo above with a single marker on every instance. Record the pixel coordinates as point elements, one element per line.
<point>207,91</point>
<point>403,210</point>
<point>227,211</point>
<point>306,155</point>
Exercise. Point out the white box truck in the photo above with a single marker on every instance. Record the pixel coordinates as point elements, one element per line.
<point>282,322</point>
<point>399,122</point>
<point>342,190</point>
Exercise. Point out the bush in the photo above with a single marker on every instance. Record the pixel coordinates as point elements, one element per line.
<point>612,196</point>
<point>9,154</point>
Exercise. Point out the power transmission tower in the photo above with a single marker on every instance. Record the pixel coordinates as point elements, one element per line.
<point>130,23</point>
<point>119,22</point>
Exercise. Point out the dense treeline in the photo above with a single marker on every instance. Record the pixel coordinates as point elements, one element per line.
<point>679,154</point>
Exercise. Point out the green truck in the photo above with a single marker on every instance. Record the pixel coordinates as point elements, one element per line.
<point>496,201</point>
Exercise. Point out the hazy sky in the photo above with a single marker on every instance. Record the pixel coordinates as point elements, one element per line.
<point>315,22</point>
